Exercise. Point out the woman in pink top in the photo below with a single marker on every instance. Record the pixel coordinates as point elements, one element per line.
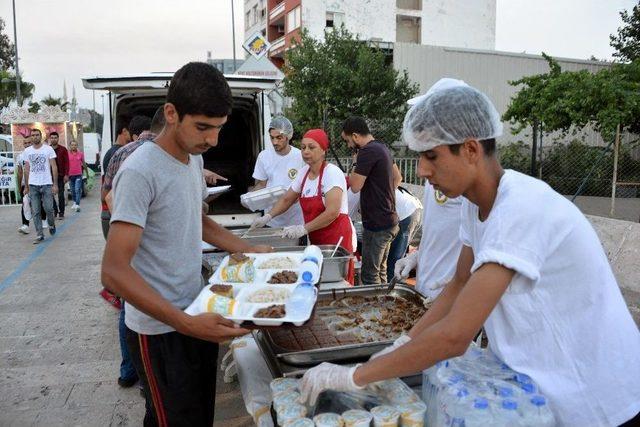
<point>76,166</point>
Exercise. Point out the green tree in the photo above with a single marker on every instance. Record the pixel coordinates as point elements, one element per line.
<point>34,107</point>
<point>627,41</point>
<point>50,100</point>
<point>8,88</point>
<point>343,76</point>
<point>6,49</point>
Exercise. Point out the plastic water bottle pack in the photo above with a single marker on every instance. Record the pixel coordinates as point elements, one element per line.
<point>477,389</point>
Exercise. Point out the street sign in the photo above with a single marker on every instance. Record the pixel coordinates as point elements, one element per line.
<point>6,181</point>
<point>257,45</point>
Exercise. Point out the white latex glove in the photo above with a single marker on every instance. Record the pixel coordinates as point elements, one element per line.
<point>405,265</point>
<point>260,222</point>
<point>399,342</point>
<point>294,232</point>
<point>327,376</point>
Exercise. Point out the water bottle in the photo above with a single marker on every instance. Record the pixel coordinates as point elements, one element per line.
<point>453,404</point>
<point>507,413</point>
<point>301,301</point>
<point>311,263</point>
<point>479,415</point>
<point>536,413</point>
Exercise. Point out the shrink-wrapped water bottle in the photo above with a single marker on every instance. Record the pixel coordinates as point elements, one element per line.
<point>479,415</point>
<point>536,413</point>
<point>311,264</point>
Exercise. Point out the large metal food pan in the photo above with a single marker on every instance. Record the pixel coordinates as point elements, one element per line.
<point>343,353</point>
<point>265,236</point>
<point>334,269</point>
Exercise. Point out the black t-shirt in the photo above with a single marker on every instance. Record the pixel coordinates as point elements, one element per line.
<point>108,155</point>
<point>377,197</point>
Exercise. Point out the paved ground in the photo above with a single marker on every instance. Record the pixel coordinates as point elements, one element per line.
<point>59,353</point>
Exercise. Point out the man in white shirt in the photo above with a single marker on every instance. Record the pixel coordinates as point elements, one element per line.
<point>531,270</point>
<point>20,162</point>
<point>40,167</point>
<point>279,167</point>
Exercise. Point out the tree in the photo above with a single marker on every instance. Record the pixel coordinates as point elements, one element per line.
<point>343,76</point>
<point>51,100</point>
<point>627,41</point>
<point>34,107</point>
<point>6,49</point>
<point>8,88</point>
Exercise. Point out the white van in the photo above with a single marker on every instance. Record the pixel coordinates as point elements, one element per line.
<point>239,143</point>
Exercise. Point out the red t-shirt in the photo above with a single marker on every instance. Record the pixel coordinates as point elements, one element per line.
<point>75,162</point>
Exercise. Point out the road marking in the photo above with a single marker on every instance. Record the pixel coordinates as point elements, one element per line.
<point>35,254</point>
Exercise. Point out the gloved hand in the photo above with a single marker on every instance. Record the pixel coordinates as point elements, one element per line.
<point>327,376</point>
<point>260,222</point>
<point>294,232</point>
<point>405,265</point>
<point>399,342</point>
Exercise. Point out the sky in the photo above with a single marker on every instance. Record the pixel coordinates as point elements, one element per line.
<point>66,40</point>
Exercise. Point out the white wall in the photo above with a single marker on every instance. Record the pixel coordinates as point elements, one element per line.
<point>459,23</point>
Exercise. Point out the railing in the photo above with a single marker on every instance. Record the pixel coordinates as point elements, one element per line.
<point>8,190</point>
<point>277,11</point>
<point>276,45</point>
<point>408,168</point>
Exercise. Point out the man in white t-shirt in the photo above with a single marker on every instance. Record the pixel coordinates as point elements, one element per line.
<point>279,167</point>
<point>40,167</point>
<point>531,270</point>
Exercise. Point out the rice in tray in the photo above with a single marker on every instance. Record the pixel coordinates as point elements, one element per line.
<point>269,295</point>
<point>278,263</point>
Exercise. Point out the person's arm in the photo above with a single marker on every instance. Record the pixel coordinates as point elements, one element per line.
<point>332,201</point>
<point>356,182</point>
<point>108,199</point>
<point>218,236</point>
<point>443,303</point>
<point>54,175</point>
<point>212,178</point>
<point>19,176</point>
<point>449,336</point>
<point>259,185</point>
<point>121,278</point>
<point>65,166</point>
<point>284,203</point>
<point>397,176</point>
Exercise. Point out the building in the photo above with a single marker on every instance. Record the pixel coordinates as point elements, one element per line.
<point>456,23</point>
<point>226,66</point>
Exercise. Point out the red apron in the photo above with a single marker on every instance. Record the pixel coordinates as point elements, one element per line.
<point>312,207</point>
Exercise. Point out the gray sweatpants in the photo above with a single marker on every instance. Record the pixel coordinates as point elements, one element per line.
<point>41,195</point>
<point>375,250</point>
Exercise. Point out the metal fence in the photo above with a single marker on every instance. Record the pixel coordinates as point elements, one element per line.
<point>8,191</point>
<point>408,168</point>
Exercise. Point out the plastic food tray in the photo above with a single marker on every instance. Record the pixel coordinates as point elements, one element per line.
<point>244,310</point>
<point>262,199</point>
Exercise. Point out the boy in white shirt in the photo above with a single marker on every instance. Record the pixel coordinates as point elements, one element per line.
<point>40,167</point>
<point>531,270</point>
<point>279,167</point>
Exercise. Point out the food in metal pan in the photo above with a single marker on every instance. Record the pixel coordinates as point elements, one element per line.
<point>272,312</point>
<point>284,277</point>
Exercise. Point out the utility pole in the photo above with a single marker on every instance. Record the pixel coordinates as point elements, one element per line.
<point>233,35</point>
<point>15,50</point>
<point>93,113</point>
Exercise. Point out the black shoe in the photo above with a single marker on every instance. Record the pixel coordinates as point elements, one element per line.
<point>52,230</point>
<point>126,383</point>
<point>61,217</point>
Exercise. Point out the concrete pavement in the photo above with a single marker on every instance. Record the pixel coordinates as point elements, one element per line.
<point>59,340</point>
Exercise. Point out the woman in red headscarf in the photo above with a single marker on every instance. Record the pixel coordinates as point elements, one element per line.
<point>321,190</point>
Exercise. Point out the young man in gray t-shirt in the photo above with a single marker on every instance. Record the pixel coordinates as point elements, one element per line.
<point>153,253</point>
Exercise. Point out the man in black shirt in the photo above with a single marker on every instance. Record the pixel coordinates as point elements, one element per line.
<point>375,174</point>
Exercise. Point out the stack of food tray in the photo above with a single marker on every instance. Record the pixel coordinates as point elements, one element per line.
<point>349,325</point>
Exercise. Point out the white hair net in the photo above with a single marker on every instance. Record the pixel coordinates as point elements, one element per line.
<point>449,115</point>
<point>443,83</point>
<point>282,125</point>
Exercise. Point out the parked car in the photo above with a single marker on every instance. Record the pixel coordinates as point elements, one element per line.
<point>239,143</point>
<point>6,155</point>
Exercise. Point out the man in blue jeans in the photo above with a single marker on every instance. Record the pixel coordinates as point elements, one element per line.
<point>41,174</point>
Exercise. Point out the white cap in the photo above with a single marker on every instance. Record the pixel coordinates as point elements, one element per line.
<point>448,114</point>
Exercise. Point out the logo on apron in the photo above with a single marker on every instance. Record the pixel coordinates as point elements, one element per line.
<point>441,199</point>
<point>292,173</point>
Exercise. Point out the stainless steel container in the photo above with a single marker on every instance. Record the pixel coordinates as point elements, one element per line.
<point>334,269</point>
<point>282,360</point>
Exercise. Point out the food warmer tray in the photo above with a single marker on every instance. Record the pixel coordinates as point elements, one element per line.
<point>274,355</point>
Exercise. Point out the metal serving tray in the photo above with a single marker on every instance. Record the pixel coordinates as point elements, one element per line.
<point>341,353</point>
<point>265,236</point>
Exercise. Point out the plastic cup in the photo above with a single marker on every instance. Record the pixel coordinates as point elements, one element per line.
<point>357,418</point>
<point>282,384</point>
<point>385,416</point>
<point>328,419</point>
<point>291,413</point>
<point>286,398</point>
<point>412,414</point>
<point>300,422</point>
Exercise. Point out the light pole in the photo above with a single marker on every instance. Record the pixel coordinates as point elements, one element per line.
<point>233,35</point>
<point>15,49</point>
